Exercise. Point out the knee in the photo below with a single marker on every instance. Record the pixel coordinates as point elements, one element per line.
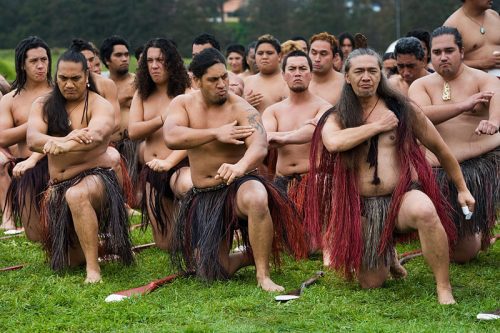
<point>372,280</point>
<point>75,197</point>
<point>424,214</point>
<point>466,249</point>
<point>255,201</point>
<point>183,184</point>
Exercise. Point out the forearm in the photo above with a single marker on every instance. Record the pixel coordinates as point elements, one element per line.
<point>349,138</point>
<point>139,130</point>
<point>478,63</point>
<point>300,136</point>
<point>253,157</point>
<point>35,157</point>
<point>180,137</point>
<point>450,165</point>
<point>441,113</point>
<point>175,157</point>
<point>36,141</point>
<point>11,136</point>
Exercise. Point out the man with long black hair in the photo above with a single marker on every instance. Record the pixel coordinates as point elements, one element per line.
<point>33,79</point>
<point>165,178</point>
<point>373,181</point>
<point>72,126</point>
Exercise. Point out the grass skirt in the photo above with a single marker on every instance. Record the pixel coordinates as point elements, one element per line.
<point>112,218</point>
<point>208,218</point>
<point>482,176</point>
<point>30,185</point>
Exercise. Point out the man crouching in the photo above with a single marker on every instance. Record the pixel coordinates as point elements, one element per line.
<point>226,142</point>
<point>72,126</point>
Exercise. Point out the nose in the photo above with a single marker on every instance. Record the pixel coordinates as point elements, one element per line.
<point>220,82</point>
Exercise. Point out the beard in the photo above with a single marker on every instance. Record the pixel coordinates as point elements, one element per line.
<point>122,71</point>
<point>220,100</point>
<point>298,89</point>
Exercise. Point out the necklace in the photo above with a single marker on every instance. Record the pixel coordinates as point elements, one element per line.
<point>73,109</point>
<point>446,96</point>
<point>373,108</point>
<point>482,30</point>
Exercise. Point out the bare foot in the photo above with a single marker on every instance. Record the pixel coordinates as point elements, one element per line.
<point>268,285</point>
<point>93,277</point>
<point>397,270</point>
<point>445,295</point>
<point>7,224</point>
<point>326,258</point>
<point>132,212</point>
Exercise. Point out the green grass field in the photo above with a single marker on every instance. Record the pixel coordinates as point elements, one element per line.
<point>34,299</point>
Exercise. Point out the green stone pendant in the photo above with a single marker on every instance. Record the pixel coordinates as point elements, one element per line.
<point>482,31</point>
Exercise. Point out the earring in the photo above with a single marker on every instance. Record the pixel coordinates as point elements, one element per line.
<point>88,85</point>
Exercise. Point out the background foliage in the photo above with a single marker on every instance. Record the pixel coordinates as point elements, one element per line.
<point>58,21</point>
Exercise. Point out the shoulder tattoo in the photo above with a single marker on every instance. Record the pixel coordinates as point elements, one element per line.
<point>254,120</point>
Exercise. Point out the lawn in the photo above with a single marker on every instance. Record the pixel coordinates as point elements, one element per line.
<point>35,299</point>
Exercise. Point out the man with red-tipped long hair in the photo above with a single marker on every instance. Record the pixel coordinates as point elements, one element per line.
<point>373,181</point>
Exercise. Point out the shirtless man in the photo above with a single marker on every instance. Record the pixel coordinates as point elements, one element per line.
<point>33,79</point>
<point>114,53</point>
<point>410,61</point>
<point>288,127</point>
<point>267,87</point>
<point>72,126</point>
<point>160,78</point>
<point>464,104</point>
<point>225,141</point>
<point>205,41</point>
<point>479,26</point>
<point>376,159</point>
<point>105,87</point>
<point>250,60</point>
<point>326,82</point>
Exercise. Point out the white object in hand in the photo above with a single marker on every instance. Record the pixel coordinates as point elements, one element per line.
<point>467,212</point>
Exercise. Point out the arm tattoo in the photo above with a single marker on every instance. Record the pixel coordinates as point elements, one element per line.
<point>254,121</point>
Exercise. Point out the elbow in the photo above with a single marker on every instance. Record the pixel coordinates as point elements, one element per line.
<point>3,142</point>
<point>172,143</point>
<point>133,134</point>
<point>332,147</point>
<point>31,143</point>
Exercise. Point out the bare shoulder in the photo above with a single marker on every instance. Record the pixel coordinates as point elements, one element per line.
<point>394,79</point>
<point>249,80</point>
<point>97,102</point>
<point>426,80</point>
<point>321,103</point>
<point>454,19</point>
<point>7,100</point>
<point>492,13</point>
<point>338,76</point>
<point>103,84</point>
